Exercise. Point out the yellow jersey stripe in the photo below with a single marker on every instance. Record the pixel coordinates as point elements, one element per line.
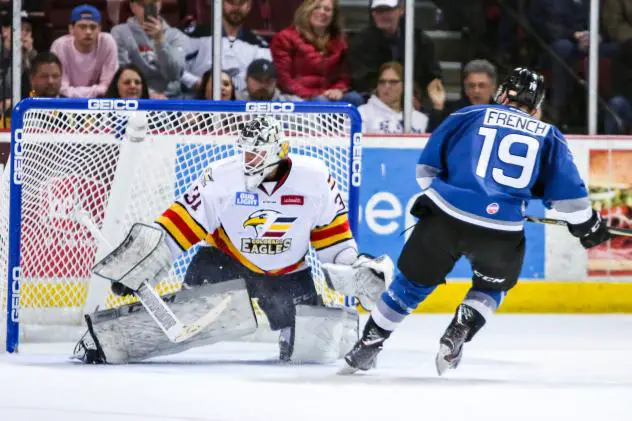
<point>330,241</point>
<point>175,233</point>
<point>236,253</point>
<point>283,227</point>
<point>199,231</point>
<point>340,219</point>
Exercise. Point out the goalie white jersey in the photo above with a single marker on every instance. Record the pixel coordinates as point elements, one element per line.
<point>268,230</point>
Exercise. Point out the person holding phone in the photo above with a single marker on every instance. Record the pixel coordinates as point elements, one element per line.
<point>158,50</point>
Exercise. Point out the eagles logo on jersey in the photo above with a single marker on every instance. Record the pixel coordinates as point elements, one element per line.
<point>268,226</point>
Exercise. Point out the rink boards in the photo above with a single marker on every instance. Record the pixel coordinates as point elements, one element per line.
<point>558,275</point>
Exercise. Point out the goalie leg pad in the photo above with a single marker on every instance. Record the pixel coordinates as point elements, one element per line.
<point>323,334</point>
<point>128,334</point>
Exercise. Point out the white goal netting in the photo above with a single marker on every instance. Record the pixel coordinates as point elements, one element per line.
<point>75,160</point>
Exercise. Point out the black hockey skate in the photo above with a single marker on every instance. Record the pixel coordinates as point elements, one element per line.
<point>363,355</point>
<point>88,350</point>
<point>466,322</point>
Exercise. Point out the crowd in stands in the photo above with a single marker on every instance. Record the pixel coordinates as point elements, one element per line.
<point>312,56</point>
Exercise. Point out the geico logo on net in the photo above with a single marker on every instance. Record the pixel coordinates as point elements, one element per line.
<point>15,294</point>
<point>18,156</point>
<point>112,104</point>
<point>270,107</point>
<point>356,161</point>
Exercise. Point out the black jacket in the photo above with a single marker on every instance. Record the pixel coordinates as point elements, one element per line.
<point>436,117</point>
<point>369,49</point>
<point>559,19</point>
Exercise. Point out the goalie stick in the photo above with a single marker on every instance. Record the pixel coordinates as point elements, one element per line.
<point>626,232</point>
<point>159,311</point>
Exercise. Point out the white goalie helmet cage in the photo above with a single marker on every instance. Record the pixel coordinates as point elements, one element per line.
<point>261,148</point>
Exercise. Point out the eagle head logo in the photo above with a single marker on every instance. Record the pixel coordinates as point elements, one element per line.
<point>257,220</point>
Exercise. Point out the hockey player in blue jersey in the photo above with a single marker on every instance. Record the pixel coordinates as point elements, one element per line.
<point>478,171</point>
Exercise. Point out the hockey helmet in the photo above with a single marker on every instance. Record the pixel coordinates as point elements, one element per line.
<point>524,87</point>
<point>261,148</point>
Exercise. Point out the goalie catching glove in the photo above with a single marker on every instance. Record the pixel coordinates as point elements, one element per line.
<point>365,279</point>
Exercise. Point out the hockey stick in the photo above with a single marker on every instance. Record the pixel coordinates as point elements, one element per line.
<point>173,328</point>
<point>626,232</point>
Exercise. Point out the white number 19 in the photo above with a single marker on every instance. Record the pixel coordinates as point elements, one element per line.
<point>527,162</point>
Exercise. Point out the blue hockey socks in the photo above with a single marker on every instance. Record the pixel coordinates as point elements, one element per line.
<point>485,301</point>
<point>398,301</point>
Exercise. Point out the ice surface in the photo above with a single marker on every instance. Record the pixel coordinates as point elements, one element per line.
<point>518,368</point>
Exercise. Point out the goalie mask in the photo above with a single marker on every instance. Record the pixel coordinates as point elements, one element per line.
<point>261,149</point>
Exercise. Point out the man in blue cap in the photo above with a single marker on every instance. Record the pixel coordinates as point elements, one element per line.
<point>88,56</point>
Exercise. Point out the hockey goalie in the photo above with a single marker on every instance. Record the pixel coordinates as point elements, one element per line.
<point>254,216</point>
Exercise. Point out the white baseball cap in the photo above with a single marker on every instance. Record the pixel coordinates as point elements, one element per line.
<point>384,3</point>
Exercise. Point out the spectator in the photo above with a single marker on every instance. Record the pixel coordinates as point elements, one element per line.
<point>261,84</point>
<point>383,112</point>
<point>240,46</point>
<point>205,91</point>
<point>214,122</point>
<point>469,18</point>
<point>45,76</point>
<point>479,84</point>
<point>87,55</point>
<point>154,47</point>
<point>311,56</point>
<point>564,26</point>
<point>28,54</point>
<point>617,23</point>
<point>234,14</point>
<point>383,41</point>
<point>128,82</point>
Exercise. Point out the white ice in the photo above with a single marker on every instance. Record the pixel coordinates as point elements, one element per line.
<point>518,368</point>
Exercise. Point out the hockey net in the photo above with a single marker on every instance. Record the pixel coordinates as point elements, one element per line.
<point>75,160</point>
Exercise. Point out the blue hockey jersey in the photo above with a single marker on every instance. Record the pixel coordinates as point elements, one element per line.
<point>485,162</point>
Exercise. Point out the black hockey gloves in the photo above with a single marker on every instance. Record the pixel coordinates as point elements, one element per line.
<point>592,232</point>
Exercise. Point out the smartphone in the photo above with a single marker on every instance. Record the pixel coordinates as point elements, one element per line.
<point>151,10</point>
